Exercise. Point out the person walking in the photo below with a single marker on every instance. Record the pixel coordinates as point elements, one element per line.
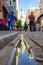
<point>10,18</point>
<point>32,20</point>
<point>25,26</point>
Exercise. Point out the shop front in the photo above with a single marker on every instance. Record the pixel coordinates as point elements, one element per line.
<point>40,21</point>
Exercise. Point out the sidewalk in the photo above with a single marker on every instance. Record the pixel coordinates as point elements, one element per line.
<point>36,37</point>
<point>6,37</point>
<point>7,54</point>
<point>36,40</point>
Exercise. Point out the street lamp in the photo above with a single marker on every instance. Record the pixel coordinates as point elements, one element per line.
<point>10,2</point>
<point>21,13</point>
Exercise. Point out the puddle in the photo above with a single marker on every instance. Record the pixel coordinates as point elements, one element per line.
<point>24,56</point>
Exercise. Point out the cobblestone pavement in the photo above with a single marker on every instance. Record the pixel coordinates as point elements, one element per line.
<point>7,51</point>
<point>34,39</point>
<point>6,32</point>
<point>37,47</point>
<point>37,37</point>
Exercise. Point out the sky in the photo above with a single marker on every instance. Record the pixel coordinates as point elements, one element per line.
<point>25,4</point>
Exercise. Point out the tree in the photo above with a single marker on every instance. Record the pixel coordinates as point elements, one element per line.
<point>19,24</point>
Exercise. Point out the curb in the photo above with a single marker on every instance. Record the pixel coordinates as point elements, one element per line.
<point>39,59</point>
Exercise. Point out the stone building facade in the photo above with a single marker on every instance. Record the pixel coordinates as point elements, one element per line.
<point>6,5</point>
<point>41,6</point>
<point>40,17</point>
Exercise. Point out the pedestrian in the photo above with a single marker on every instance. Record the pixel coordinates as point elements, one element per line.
<point>10,18</point>
<point>0,24</point>
<point>32,20</point>
<point>25,26</point>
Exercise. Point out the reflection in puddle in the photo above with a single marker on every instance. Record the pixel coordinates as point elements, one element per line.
<point>24,56</point>
<point>29,54</point>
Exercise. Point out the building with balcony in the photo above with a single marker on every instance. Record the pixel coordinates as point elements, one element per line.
<point>9,5</point>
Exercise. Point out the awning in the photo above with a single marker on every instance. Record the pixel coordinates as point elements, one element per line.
<point>40,16</point>
<point>5,8</point>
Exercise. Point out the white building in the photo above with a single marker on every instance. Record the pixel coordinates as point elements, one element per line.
<point>16,8</point>
<point>21,16</point>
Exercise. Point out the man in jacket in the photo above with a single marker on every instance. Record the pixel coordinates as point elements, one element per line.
<point>32,20</point>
